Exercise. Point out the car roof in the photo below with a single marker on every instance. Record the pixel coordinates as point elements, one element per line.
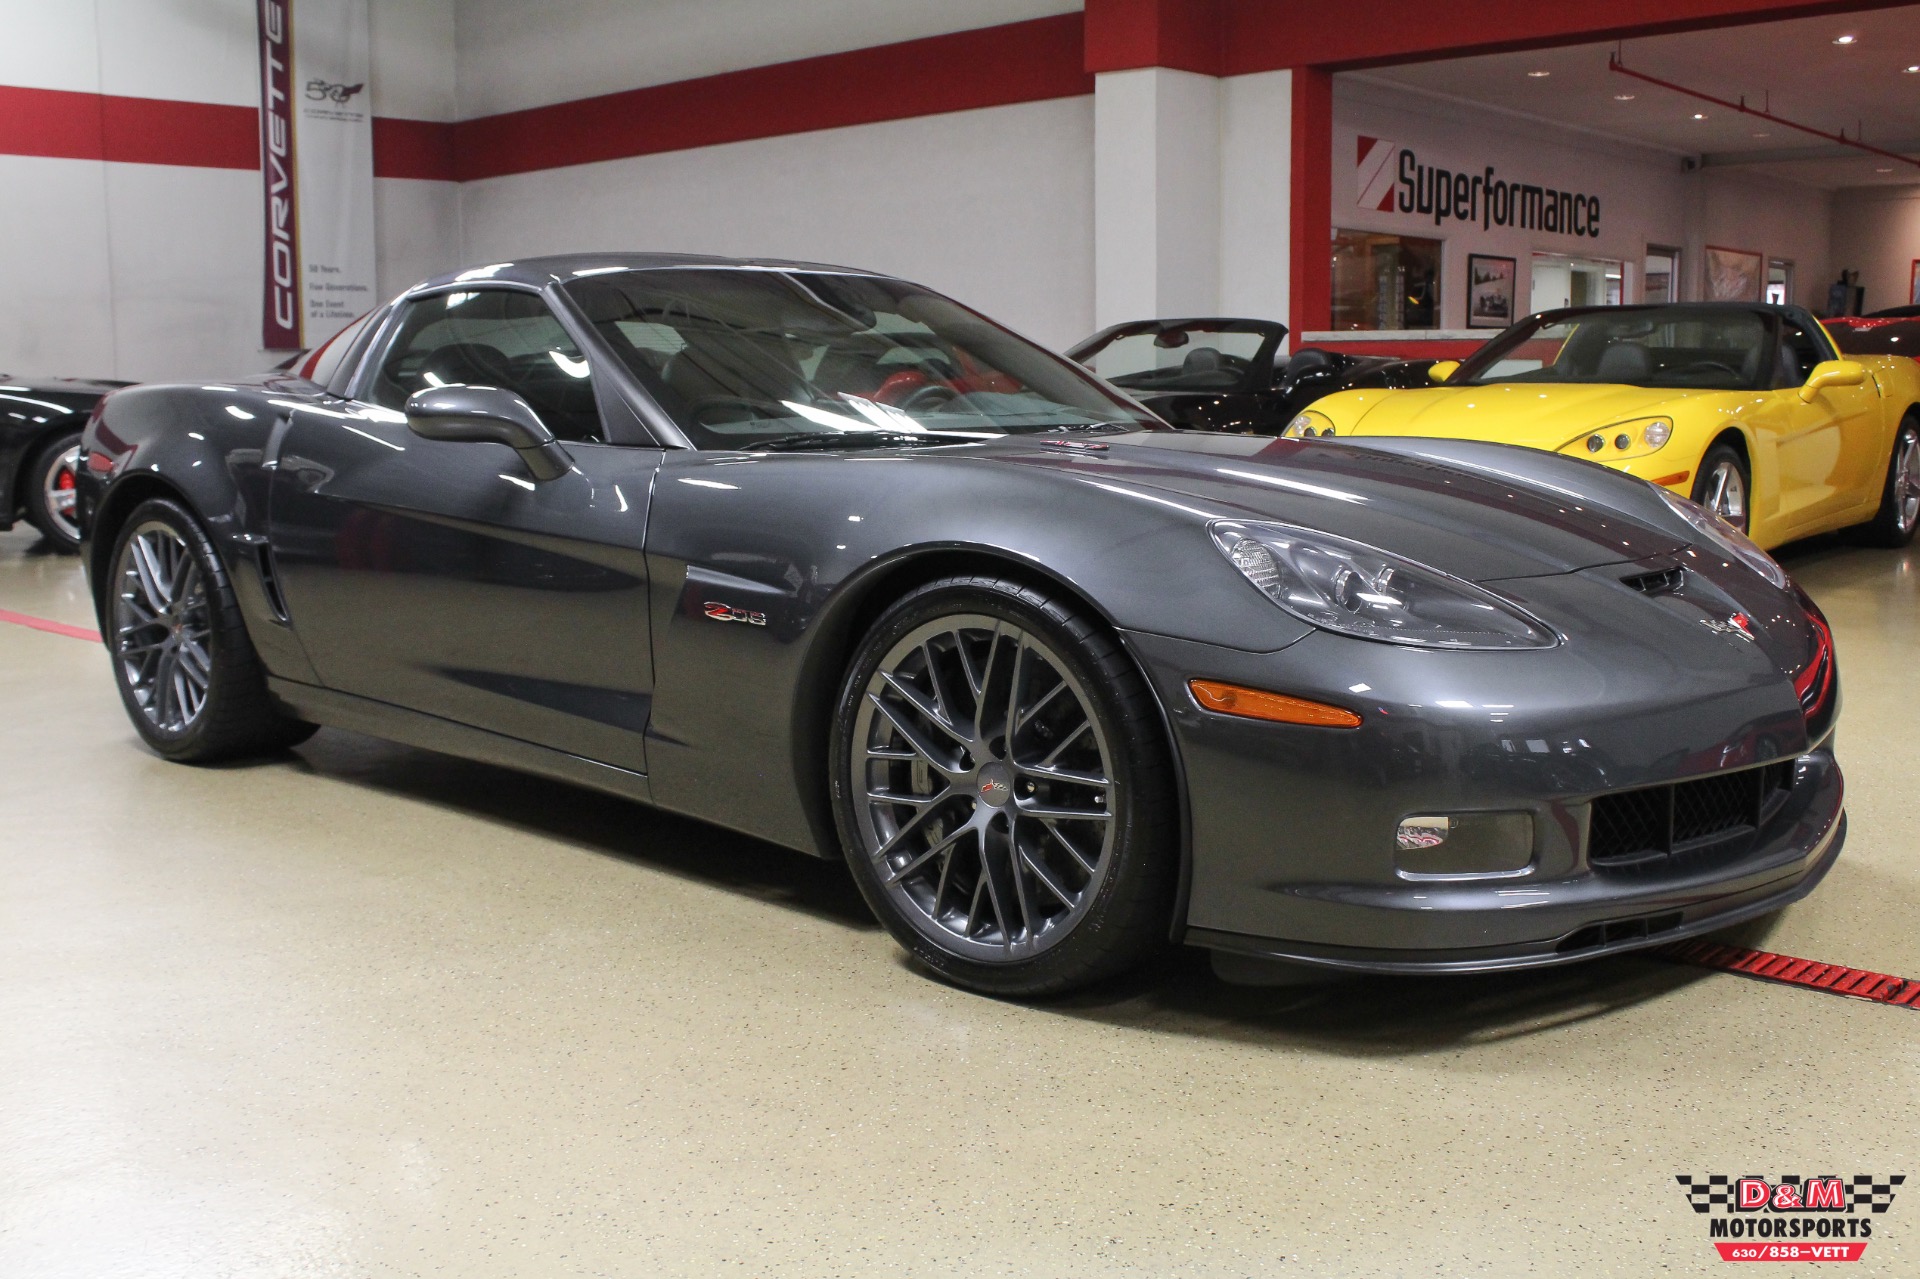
<point>549,269</point>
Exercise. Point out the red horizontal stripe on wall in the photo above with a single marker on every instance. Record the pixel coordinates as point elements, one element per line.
<point>1264,35</point>
<point>96,126</point>
<point>1019,62</point>
<point>413,149</point>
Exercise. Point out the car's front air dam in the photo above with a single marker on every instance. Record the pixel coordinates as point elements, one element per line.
<point>1293,828</point>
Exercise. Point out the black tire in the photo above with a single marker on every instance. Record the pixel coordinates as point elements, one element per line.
<point>1023,820</point>
<point>1892,526</point>
<point>186,670</point>
<point>42,482</point>
<point>1735,507</point>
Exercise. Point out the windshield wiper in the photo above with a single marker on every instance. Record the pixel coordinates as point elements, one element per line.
<point>828,440</point>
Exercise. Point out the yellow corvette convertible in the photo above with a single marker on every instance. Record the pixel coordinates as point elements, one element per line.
<point>1747,409</point>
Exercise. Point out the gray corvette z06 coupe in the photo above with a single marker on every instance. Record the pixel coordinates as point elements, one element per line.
<point>824,557</point>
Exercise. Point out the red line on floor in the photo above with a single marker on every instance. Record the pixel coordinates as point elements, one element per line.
<point>1834,979</point>
<point>51,628</point>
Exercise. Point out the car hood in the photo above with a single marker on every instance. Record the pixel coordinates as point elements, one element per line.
<point>1481,522</point>
<point>1534,414</point>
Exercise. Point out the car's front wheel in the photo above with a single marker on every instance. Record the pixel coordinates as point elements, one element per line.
<point>1893,524</point>
<point>186,669</point>
<point>1003,789</point>
<point>1724,486</point>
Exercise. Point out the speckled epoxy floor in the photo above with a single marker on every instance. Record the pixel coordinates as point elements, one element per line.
<point>367,1011</point>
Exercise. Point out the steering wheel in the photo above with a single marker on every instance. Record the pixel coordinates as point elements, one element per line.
<point>1709,366</point>
<point>929,398</point>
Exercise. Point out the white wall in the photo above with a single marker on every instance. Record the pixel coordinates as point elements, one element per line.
<point>1646,196</point>
<point>994,206</point>
<point>1876,231</point>
<point>1256,194</point>
<point>515,54</point>
<point>1156,209</point>
<point>1765,216</point>
<point>153,271</point>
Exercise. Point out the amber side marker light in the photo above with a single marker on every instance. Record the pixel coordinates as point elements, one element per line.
<point>1678,477</point>
<point>1252,703</point>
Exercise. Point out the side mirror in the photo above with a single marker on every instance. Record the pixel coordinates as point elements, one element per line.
<point>1442,370</point>
<point>488,415</point>
<point>1832,373</point>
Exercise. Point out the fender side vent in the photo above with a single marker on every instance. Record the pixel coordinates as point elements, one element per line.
<point>270,583</point>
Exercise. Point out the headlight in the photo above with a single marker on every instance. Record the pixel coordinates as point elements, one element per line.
<point>1725,538</point>
<point>1622,440</point>
<point>1307,425</point>
<point>1354,589</point>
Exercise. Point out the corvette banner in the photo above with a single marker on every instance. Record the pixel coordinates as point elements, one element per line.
<point>316,152</point>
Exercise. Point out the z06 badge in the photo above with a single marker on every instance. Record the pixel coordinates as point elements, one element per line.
<point>728,613</point>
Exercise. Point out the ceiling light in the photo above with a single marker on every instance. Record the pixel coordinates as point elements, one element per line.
<point>1623,97</point>
<point>1538,75</point>
<point>1845,39</point>
<point>1699,115</point>
<point>1913,70</point>
<point>1887,169</point>
<point>1763,135</point>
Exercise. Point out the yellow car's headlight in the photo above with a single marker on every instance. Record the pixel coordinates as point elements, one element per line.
<point>1308,425</point>
<point>1622,440</point>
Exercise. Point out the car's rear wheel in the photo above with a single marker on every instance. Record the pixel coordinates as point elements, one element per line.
<point>182,659</point>
<point>1899,512</point>
<point>1724,485</point>
<point>1003,789</point>
<point>50,491</point>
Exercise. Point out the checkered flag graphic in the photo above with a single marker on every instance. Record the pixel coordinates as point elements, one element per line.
<point>1875,1196</point>
<point>1704,1194</point>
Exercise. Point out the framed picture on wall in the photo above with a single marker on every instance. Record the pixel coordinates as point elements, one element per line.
<point>1490,286</point>
<point>1913,284</point>
<point>1734,275</point>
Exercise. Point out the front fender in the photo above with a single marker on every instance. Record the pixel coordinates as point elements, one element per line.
<point>207,448</point>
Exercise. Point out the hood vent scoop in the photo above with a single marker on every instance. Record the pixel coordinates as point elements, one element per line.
<point>1659,582</point>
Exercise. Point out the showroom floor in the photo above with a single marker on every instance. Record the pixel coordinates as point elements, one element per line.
<point>368,1011</point>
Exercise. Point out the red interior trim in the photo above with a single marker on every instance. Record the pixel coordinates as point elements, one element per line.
<point>1019,62</point>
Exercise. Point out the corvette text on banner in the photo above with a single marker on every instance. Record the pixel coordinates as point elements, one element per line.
<point>316,145</point>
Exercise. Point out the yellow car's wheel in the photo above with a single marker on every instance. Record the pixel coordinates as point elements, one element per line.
<point>1723,485</point>
<point>1899,512</point>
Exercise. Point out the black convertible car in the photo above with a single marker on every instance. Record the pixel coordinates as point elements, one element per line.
<point>40,422</point>
<point>1232,375</point>
<point>827,558</point>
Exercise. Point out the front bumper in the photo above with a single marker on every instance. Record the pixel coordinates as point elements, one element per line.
<point>1291,828</point>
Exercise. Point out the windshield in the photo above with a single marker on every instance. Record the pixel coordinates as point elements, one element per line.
<point>1714,348</point>
<point>756,358</point>
<point>1193,355</point>
<point>1876,337</point>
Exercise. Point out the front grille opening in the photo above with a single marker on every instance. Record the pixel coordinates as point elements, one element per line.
<point>1685,824</point>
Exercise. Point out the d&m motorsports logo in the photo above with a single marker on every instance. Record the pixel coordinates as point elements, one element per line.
<point>1824,1218</point>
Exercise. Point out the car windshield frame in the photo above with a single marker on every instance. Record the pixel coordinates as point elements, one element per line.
<point>745,358</point>
<point>1260,365</point>
<point>1603,327</point>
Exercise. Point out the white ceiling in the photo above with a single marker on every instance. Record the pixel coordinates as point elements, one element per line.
<point>1792,68</point>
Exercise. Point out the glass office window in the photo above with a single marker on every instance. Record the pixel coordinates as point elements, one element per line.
<point>1383,281</point>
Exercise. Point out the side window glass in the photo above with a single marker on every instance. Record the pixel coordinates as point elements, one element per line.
<point>1798,354</point>
<point>491,337</point>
